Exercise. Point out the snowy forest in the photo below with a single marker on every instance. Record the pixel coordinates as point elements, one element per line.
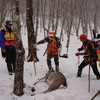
<point>46,15</point>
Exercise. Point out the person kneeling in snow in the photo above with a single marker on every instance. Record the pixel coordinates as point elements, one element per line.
<point>90,56</point>
<point>53,49</point>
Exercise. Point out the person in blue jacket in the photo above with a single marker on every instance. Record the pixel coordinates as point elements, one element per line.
<point>7,44</point>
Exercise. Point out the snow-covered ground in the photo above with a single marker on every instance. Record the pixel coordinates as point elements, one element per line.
<point>77,87</point>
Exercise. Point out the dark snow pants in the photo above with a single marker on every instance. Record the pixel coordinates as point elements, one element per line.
<point>93,64</point>
<point>56,60</point>
<point>10,58</point>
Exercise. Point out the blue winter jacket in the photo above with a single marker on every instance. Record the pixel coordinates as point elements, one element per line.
<point>2,46</point>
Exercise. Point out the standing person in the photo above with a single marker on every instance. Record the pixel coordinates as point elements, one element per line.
<point>90,56</point>
<point>53,49</point>
<point>7,44</point>
<point>97,40</point>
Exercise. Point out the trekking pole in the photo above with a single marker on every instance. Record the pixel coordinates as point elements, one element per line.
<point>78,62</point>
<point>34,61</point>
<point>34,65</point>
<point>89,78</point>
<point>89,75</point>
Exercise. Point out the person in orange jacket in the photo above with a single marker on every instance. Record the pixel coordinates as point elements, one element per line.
<point>7,44</point>
<point>90,56</point>
<point>53,49</point>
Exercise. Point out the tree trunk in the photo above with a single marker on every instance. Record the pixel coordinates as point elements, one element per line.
<point>30,31</point>
<point>57,17</point>
<point>43,7</point>
<point>70,26</point>
<point>18,80</point>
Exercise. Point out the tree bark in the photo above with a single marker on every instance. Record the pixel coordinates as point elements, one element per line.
<point>30,31</point>
<point>18,79</point>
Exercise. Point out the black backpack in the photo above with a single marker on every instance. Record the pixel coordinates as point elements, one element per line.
<point>94,44</point>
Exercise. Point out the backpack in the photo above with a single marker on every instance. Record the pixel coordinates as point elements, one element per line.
<point>97,49</point>
<point>94,44</point>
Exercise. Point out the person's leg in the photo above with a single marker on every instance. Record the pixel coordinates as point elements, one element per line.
<point>93,64</point>
<point>8,60</point>
<point>81,66</point>
<point>13,58</point>
<point>49,56</point>
<point>56,60</point>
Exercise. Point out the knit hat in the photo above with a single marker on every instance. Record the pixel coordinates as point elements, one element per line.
<point>51,33</point>
<point>83,37</point>
<point>8,22</point>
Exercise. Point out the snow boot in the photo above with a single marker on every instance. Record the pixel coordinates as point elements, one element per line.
<point>57,68</point>
<point>49,67</point>
<point>98,77</point>
<point>79,73</point>
<point>10,73</point>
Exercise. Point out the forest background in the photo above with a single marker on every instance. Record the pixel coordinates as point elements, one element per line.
<point>46,15</point>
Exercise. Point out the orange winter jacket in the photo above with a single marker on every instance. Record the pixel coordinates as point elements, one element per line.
<point>52,47</point>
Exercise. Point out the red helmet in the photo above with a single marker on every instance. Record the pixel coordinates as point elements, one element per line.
<point>51,33</point>
<point>83,37</point>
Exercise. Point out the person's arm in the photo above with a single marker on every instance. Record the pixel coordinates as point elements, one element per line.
<point>46,39</point>
<point>2,40</point>
<point>89,47</point>
<point>59,43</point>
<point>80,49</point>
<point>84,53</point>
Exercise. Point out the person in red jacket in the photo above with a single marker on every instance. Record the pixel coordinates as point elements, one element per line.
<point>53,49</point>
<point>90,56</point>
<point>7,44</point>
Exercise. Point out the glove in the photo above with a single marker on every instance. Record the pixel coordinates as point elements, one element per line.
<point>34,45</point>
<point>77,54</point>
<point>3,54</point>
<point>78,49</point>
<point>59,50</point>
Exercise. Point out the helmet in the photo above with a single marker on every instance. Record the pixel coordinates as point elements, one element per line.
<point>8,22</point>
<point>51,33</point>
<point>83,37</point>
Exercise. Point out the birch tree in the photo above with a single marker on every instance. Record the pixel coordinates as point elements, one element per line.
<point>3,11</point>
<point>18,79</point>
